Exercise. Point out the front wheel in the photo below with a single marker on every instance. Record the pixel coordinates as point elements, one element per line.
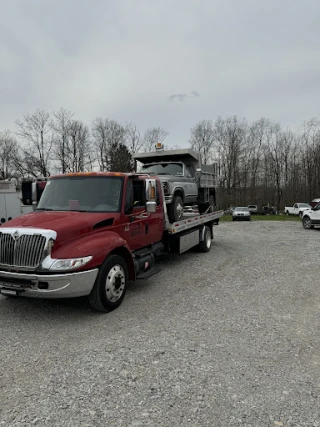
<point>110,286</point>
<point>175,209</point>
<point>287,213</point>
<point>205,245</point>
<point>306,222</point>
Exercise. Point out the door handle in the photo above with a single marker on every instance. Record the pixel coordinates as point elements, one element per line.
<point>144,215</point>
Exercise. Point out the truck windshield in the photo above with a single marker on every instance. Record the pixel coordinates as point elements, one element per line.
<point>163,169</point>
<point>82,194</point>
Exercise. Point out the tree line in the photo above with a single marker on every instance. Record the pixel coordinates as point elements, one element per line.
<point>258,162</point>
<point>42,144</point>
<point>261,162</point>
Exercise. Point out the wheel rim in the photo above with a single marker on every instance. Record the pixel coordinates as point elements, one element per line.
<point>307,223</point>
<point>179,209</point>
<point>208,240</point>
<point>115,283</point>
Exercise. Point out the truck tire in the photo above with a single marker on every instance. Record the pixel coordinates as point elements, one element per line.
<point>110,286</point>
<point>205,245</point>
<point>175,209</point>
<point>306,222</point>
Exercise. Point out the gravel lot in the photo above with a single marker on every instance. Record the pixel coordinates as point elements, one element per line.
<point>229,338</point>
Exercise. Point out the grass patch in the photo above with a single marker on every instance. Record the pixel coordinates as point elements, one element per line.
<point>227,218</point>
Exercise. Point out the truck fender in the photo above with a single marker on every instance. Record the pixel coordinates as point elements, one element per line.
<point>99,246</point>
<point>178,191</point>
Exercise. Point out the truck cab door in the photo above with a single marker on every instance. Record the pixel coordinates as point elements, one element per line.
<point>192,184</point>
<point>295,209</point>
<point>140,228</point>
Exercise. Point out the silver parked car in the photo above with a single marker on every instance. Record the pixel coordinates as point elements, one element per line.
<point>241,213</point>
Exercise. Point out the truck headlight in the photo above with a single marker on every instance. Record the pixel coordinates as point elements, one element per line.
<point>165,186</point>
<point>70,264</point>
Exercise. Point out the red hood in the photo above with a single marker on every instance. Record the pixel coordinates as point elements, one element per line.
<point>68,225</point>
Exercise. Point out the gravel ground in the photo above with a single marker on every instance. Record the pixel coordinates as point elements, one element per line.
<point>229,338</point>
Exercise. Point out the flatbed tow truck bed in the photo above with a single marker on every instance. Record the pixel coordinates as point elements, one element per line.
<point>191,221</point>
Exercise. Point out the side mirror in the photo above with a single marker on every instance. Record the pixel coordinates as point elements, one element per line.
<point>151,207</point>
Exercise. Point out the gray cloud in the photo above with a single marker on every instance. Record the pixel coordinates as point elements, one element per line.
<point>121,59</point>
<point>182,96</point>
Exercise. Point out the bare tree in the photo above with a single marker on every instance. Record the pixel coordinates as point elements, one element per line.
<point>230,134</point>
<point>310,156</point>
<point>152,136</point>
<point>78,155</point>
<point>256,139</point>
<point>8,154</point>
<point>61,125</point>
<point>106,133</point>
<point>202,140</point>
<point>133,138</point>
<point>279,143</point>
<point>35,131</point>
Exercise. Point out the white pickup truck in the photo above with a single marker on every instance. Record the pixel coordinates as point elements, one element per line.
<point>311,217</point>
<point>297,209</point>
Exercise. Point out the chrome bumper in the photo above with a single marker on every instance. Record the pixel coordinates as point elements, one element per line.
<point>168,199</point>
<point>57,285</point>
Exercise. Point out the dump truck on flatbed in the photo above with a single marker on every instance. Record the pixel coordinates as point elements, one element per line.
<point>185,180</point>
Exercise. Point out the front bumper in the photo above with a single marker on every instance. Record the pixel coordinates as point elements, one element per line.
<point>168,199</point>
<point>68,285</point>
<point>241,217</point>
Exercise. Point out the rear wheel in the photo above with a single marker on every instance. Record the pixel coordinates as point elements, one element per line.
<point>111,283</point>
<point>306,222</point>
<point>205,245</point>
<point>175,209</point>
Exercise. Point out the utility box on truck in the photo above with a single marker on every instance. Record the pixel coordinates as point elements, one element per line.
<point>185,180</point>
<point>9,201</point>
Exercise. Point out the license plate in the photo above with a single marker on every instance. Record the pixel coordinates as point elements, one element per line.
<point>9,292</point>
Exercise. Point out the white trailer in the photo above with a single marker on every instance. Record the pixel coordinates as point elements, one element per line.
<point>10,203</point>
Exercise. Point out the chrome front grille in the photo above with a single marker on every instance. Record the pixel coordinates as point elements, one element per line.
<point>24,251</point>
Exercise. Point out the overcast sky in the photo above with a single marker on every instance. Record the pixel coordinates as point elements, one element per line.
<point>160,62</point>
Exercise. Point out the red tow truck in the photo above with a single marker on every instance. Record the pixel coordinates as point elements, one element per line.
<point>90,234</point>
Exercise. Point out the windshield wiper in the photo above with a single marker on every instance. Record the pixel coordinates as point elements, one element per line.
<point>44,209</point>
